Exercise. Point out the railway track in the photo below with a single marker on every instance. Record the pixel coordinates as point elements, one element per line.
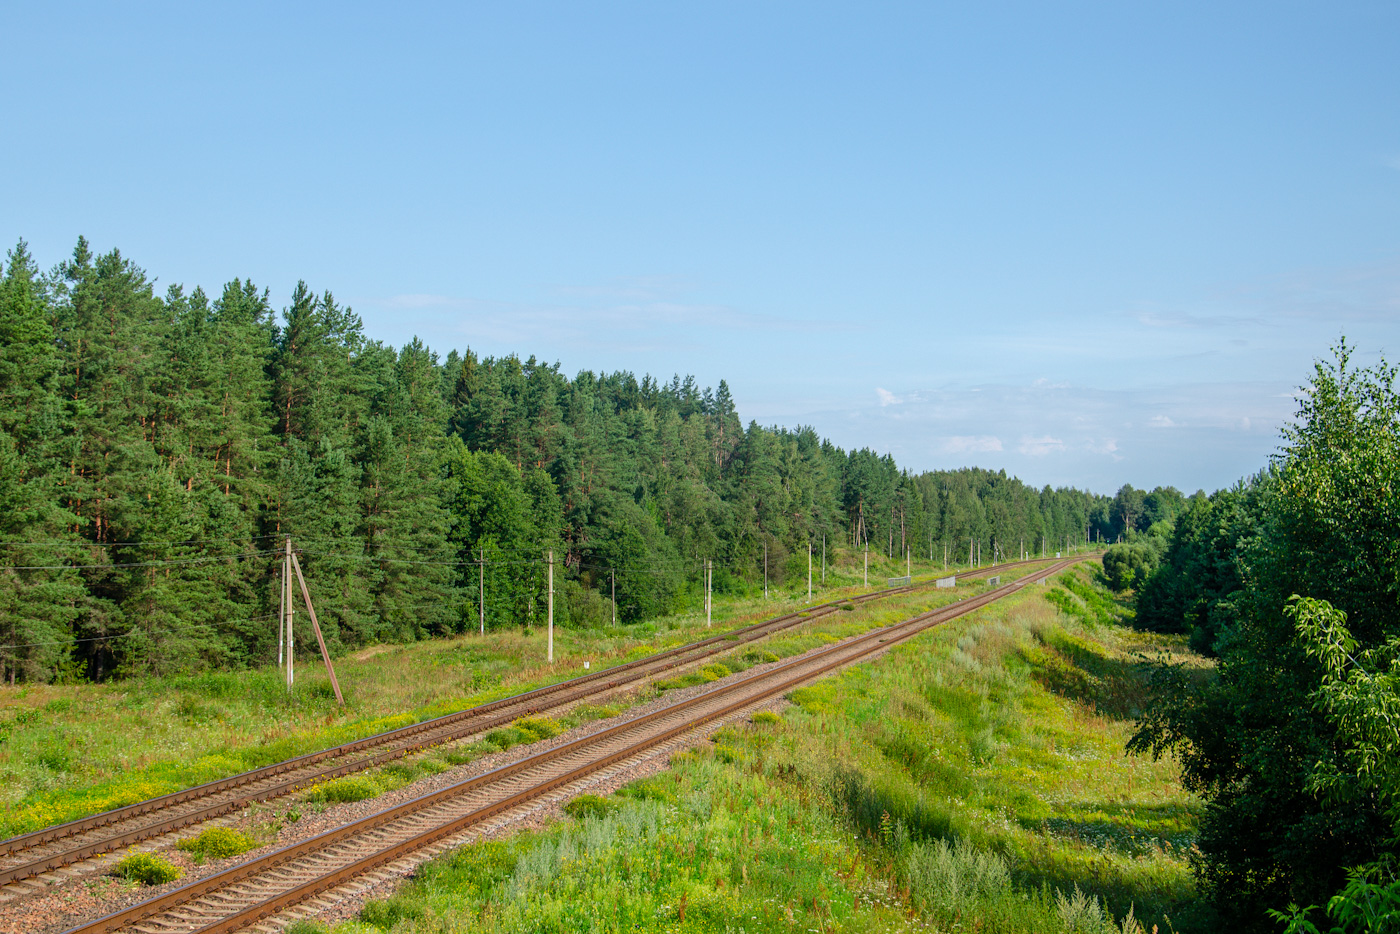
<point>257,889</point>
<point>42,852</point>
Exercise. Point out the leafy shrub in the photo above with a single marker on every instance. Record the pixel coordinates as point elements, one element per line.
<point>147,869</point>
<point>586,806</point>
<point>218,843</point>
<point>59,705</point>
<point>766,717</point>
<point>341,790</point>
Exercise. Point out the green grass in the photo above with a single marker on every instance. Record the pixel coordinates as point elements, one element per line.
<point>946,779</point>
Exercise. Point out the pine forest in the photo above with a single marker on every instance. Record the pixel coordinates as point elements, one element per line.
<point>156,451</point>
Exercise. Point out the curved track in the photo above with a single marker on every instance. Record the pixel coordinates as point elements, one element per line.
<point>43,851</point>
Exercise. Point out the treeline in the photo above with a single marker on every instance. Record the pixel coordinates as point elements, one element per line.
<point>1291,580</point>
<point>156,450</point>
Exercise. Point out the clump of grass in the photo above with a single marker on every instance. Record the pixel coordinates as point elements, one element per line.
<point>660,788</point>
<point>586,806</point>
<point>729,754</point>
<point>344,790</point>
<point>306,926</point>
<point>714,671</point>
<point>765,717</point>
<point>147,869</point>
<point>384,915</point>
<point>583,713</point>
<point>217,843</point>
<point>684,681</point>
<point>539,727</point>
<point>506,737</point>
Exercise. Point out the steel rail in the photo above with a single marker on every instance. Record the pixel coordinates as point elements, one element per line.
<point>784,677</point>
<point>429,732</point>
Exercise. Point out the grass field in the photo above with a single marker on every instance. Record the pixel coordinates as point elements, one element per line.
<point>71,750</point>
<point>972,780</point>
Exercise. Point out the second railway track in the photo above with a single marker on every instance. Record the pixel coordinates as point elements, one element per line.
<point>257,889</point>
<point>53,848</point>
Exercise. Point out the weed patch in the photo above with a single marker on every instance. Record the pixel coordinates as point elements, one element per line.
<point>590,806</point>
<point>343,790</point>
<point>217,843</point>
<point>147,869</point>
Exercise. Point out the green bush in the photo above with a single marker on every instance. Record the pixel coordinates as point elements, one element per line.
<point>342,790</point>
<point>147,869</point>
<point>586,806</point>
<point>218,843</point>
<point>766,716</point>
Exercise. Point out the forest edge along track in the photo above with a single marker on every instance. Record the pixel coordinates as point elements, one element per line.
<point>213,799</point>
<point>274,882</point>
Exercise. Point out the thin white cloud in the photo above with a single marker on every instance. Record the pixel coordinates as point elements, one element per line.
<point>887,397</point>
<point>1162,421</point>
<point>1038,447</point>
<point>1107,446</point>
<point>971,444</point>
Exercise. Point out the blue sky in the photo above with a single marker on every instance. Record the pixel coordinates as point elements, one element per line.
<point>1087,243</point>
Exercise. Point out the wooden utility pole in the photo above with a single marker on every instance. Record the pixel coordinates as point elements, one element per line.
<point>550,650</point>
<point>765,572</point>
<point>823,559</point>
<point>809,570</point>
<point>907,565</point>
<point>612,577</point>
<point>481,589</point>
<point>316,626</point>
